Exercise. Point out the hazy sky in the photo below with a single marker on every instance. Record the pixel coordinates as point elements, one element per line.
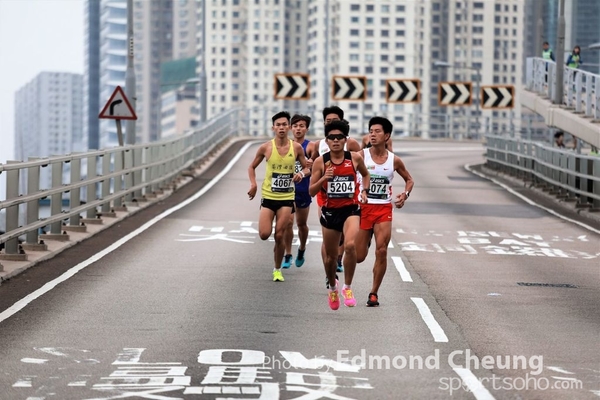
<point>35,36</point>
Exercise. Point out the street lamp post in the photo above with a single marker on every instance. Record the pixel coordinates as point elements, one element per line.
<point>560,55</point>
<point>203,80</point>
<point>130,75</point>
<point>446,64</point>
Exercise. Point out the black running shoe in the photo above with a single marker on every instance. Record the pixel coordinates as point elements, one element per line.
<point>373,300</point>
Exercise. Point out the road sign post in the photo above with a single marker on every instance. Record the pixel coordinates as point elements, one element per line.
<point>118,107</point>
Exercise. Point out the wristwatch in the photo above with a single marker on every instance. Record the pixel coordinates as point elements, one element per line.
<point>407,193</point>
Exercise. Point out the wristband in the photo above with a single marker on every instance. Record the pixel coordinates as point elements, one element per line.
<point>302,173</point>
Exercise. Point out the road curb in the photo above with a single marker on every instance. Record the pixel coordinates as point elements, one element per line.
<point>535,196</point>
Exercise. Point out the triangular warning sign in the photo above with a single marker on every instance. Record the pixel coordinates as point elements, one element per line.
<point>118,106</point>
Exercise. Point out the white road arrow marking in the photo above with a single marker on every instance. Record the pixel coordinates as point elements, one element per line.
<point>218,236</point>
<point>491,97</point>
<point>285,86</point>
<point>449,93</point>
<point>341,93</point>
<point>302,86</point>
<point>465,94</point>
<point>358,92</point>
<point>507,97</point>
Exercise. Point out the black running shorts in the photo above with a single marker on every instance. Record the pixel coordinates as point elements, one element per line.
<point>334,218</point>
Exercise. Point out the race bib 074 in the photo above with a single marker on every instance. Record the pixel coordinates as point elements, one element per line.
<point>379,188</point>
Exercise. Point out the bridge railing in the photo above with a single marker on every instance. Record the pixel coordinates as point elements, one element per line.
<point>571,176</point>
<point>581,89</point>
<point>87,185</point>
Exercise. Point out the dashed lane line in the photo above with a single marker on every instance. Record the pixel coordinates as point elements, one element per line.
<point>404,274</point>
<point>436,330</point>
<point>475,386</point>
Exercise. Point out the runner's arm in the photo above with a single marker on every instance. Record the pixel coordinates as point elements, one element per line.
<point>317,177</point>
<point>400,168</point>
<point>260,155</point>
<point>360,166</point>
<point>302,159</point>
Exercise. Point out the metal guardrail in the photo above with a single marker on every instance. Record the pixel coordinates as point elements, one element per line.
<point>581,88</point>
<point>565,173</point>
<point>111,178</point>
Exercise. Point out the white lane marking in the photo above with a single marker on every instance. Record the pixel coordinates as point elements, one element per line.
<point>52,351</point>
<point>404,274</point>
<point>19,305</point>
<point>531,202</point>
<point>565,378</point>
<point>559,369</point>
<point>77,383</point>
<point>596,392</point>
<point>34,360</point>
<point>474,385</point>
<point>428,149</point>
<point>24,382</point>
<point>435,328</point>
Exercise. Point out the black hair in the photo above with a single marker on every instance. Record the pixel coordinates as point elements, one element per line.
<point>337,126</point>
<point>558,134</point>
<point>384,122</point>
<point>546,43</point>
<point>299,117</point>
<point>333,110</point>
<point>281,114</point>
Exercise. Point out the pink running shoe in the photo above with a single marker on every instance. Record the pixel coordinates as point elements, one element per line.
<point>349,300</point>
<point>334,300</point>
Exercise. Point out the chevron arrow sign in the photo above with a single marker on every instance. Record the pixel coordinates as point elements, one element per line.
<point>495,97</point>
<point>402,90</point>
<point>454,93</point>
<point>349,88</point>
<point>292,86</point>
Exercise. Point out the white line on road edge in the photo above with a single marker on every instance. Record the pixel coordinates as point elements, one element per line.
<point>446,149</point>
<point>19,305</point>
<point>435,328</point>
<point>531,202</point>
<point>474,385</point>
<point>404,274</point>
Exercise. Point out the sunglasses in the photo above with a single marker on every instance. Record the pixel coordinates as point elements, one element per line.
<point>338,136</point>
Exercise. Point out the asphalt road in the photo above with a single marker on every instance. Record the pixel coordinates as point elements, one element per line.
<point>184,306</point>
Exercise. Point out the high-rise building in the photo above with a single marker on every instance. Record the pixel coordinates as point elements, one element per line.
<point>179,110</point>
<point>251,41</point>
<point>360,38</point>
<point>105,64</point>
<point>185,14</point>
<point>106,61</point>
<point>468,41</point>
<point>153,33</point>
<point>49,116</point>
